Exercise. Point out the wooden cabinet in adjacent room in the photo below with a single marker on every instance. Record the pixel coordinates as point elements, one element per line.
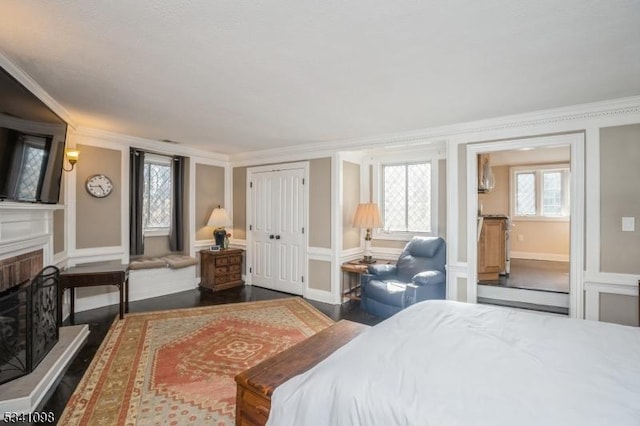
<point>492,250</point>
<point>221,269</point>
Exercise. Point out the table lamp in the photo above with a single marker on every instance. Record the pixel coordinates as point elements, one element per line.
<point>218,220</point>
<point>367,216</point>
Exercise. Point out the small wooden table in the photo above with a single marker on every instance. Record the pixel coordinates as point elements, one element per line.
<point>256,385</point>
<point>91,276</point>
<point>355,268</point>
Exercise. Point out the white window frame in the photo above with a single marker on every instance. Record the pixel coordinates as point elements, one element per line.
<point>162,160</point>
<point>377,195</point>
<point>538,171</point>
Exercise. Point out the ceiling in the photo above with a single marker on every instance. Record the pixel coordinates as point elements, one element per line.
<point>239,76</point>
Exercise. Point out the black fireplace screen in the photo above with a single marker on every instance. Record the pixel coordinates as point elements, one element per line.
<point>28,328</point>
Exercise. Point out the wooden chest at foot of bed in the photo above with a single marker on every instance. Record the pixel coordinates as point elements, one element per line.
<point>256,385</point>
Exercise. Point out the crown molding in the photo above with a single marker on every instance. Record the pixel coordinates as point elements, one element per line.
<point>150,144</point>
<point>437,135</point>
<point>25,79</point>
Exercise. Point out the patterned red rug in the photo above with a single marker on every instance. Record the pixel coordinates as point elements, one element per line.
<point>177,367</point>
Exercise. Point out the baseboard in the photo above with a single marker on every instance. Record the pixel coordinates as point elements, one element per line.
<point>539,256</point>
<point>318,295</point>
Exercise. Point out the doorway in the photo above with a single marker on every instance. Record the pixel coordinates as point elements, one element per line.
<point>523,226</point>
<point>526,221</point>
<point>277,203</point>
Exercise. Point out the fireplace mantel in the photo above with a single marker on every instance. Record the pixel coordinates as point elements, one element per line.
<point>9,205</point>
<point>27,226</point>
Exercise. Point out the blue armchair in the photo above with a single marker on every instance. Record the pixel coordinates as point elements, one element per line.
<point>419,274</point>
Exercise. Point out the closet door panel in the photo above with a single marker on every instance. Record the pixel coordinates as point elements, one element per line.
<point>263,233</point>
<point>278,234</point>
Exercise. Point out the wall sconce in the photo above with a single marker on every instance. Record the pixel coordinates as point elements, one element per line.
<point>218,220</point>
<point>72,155</point>
<point>367,216</point>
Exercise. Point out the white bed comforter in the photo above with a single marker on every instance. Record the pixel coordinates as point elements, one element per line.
<point>449,363</point>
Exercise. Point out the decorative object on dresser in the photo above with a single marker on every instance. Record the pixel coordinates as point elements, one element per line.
<point>256,385</point>
<point>367,216</point>
<point>218,220</point>
<point>220,269</point>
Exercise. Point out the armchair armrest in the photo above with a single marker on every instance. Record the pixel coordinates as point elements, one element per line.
<point>382,272</point>
<point>428,278</point>
<point>410,295</point>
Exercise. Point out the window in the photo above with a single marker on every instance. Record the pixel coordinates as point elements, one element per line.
<point>30,167</point>
<point>407,199</point>
<point>156,210</point>
<point>540,192</point>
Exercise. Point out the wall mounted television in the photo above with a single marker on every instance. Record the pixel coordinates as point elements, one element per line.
<point>32,141</point>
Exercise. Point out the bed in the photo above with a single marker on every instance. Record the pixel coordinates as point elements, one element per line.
<point>449,363</point>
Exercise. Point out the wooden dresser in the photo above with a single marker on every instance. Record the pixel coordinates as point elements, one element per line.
<point>220,269</point>
<point>256,385</point>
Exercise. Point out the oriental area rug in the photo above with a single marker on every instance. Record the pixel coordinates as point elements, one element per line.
<point>178,367</point>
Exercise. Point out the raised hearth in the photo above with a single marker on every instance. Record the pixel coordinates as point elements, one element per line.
<point>26,245</point>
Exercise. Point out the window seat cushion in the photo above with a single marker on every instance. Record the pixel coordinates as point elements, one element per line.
<point>172,261</point>
<point>175,261</point>
<point>147,263</point>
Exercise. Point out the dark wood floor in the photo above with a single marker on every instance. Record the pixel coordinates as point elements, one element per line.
<point>540,275</point>
<point>100,320</point>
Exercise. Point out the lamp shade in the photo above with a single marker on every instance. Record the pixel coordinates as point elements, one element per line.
<point>367,216</point>
<point>72,155</point>
<point>219,218</point>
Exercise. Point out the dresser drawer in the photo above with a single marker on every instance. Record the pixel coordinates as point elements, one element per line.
<point>234,277</point>
<point>234,268</point>
<point>235,260</point>
<point>222,261</point>
<point>221,270</point>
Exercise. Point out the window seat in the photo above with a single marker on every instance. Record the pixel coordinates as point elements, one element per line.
<point>159,276</point>
<point>172,261</point>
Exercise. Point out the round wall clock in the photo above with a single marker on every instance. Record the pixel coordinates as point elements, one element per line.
<point>99,186</point>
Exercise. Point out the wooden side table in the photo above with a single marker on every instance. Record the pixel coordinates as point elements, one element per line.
<point>355,269</point>
<point>220,269</point>
<point>91,276</point>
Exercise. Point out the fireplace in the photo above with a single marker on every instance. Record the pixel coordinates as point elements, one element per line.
<point>28,314</point>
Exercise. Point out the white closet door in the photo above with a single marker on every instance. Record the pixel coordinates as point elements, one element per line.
<point>278,235</point>
<point>289,235</point>
<point>264,206</point>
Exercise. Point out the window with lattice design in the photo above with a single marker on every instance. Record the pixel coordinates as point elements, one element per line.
<point>157,198</point>
<point>30,167</point>
<point>540,191</point>
<point>406,199</point>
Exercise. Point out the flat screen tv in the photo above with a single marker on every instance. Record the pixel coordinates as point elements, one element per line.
<point>32,141</point>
